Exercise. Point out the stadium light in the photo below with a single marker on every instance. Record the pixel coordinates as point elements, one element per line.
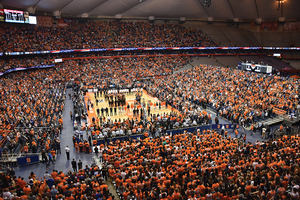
<point>279,3</point>
<point>206,3</point>
<point>85,15</point>
<point>57,13</point>
<point>182,20</point>
<point>236,19</point>
<point>281,19</point>
<point>118,17</point>
<point>31,10</point>
<point>151,19</point>
<point>259,20</point>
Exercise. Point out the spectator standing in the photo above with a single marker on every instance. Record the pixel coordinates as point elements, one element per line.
<point>260,127</point>
<point>74,165</point>
<point>90,140</point>
<point>50,182</point>
<point>53,192</point>
<point>67,149</point>
<point>263,132</point>
<point>50,158</point>
<point>7,194</point>
<point>81,135</point>
<point>96,150</point>
<point>217,120</point>
<point>47,175</point>
<point>104,172</point>
<point>236,133</point>
<point>58,147</point>
<point>44,156</point>
<point>74,141</point>
<point>53,154</point>
<point>79,164</point>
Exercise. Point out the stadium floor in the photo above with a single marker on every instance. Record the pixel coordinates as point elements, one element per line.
<point>62,164</point>
<point>124,114</point>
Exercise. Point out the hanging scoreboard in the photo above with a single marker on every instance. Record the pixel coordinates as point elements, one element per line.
<point>14,16</point>
<point>256,68</point>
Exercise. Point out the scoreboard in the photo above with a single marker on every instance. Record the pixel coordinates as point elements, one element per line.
<point>255,67</point>
<point>15,16</point>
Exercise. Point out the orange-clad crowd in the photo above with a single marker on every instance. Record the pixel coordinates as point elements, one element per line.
<point>200,165</point>
<point>99,34</point>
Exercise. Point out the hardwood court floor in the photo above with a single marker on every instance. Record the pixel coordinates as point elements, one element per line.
<point>124,114</point>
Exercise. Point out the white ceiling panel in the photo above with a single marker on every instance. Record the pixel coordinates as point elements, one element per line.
<point>244,9</point>
<point>50,5</point>
<point>76,7</point>
<point>167,9</point>
<point>191,9</point>
<point>113,7</point>
<point>18,3</point>
<point>220,10</point>
<point>268,9</point>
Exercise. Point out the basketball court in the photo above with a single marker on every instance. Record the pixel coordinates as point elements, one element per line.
<point>123,113</point>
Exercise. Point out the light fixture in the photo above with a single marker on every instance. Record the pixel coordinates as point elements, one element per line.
<point>31,10</point>
<point>151,19</point>
<point>281,19</point>
<point>85,15</point>
<point>279,3</point>
<point>236,19</point>
<point>259,20</point>
<point>57,13</point>
<point>206,3</point>
<point>118,17</point>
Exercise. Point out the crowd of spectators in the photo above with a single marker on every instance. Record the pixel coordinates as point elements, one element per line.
<point>34,99</point>
<point>9,62</point>
<point>97,34</point>
<point>24,62</point>
<point>241,97</point>
<point>204,165</point>
<point>29,101</point>
<point>122,71</point>
<point>238,96</point>
<point>157,125</point>
<point>86,183</point>
<point>200,165</point>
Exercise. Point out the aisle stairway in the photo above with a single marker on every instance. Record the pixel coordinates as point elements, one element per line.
<point>185,67</point>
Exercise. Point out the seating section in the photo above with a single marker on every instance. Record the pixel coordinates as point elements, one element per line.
<point>190,166</point>
<point>85,182</point>
<point>24,62</point>
<point>34,99</point>
<point>200,165</point>
<point>96,34</point>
